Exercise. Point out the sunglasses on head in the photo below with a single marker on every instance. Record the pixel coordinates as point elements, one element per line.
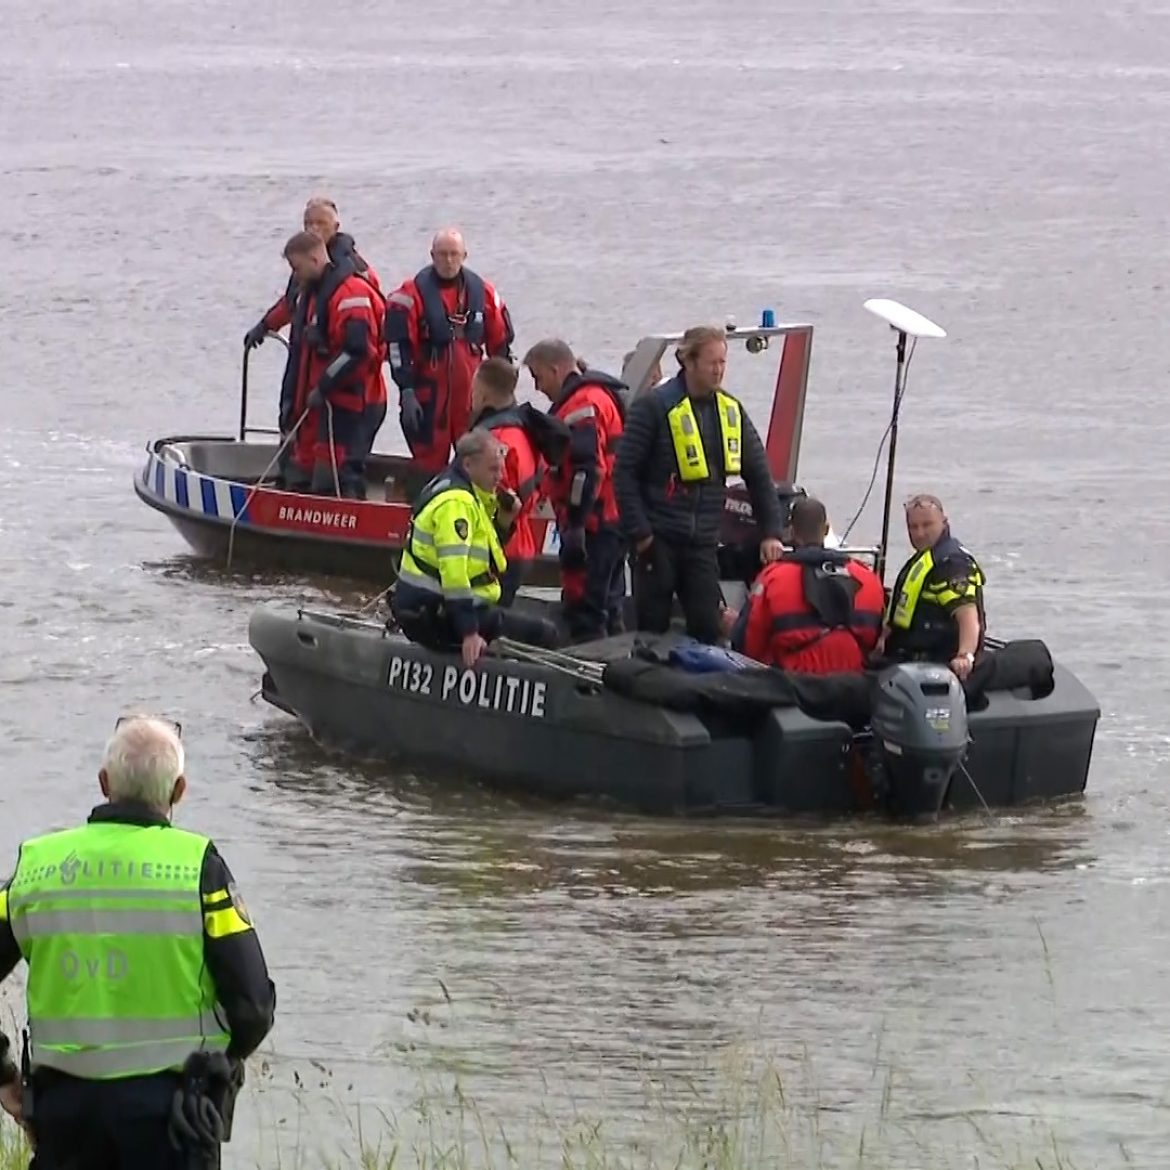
<point>923,501</point>
<point>173,724</point>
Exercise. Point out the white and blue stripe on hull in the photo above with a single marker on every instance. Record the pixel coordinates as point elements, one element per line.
<point>216,499</point>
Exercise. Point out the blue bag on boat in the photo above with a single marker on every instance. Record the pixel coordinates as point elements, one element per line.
<point>699,658</point>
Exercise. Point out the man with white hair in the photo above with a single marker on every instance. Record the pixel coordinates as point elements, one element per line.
<point>439,326</point>
<point>147,985</point>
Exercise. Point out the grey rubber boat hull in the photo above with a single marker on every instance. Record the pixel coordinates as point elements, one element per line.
<point>531,727</point>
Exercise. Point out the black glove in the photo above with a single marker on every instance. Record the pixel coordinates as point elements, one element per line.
<point>255,336</point>
<point>316,399</point>
<point>410,413</point>
<point>573,548</point>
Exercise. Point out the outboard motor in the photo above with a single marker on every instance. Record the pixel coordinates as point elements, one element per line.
<point>739,536</point>
<point>919,724</point>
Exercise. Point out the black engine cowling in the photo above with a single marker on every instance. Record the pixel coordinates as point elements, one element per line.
<point>919,725</point>
<point>739,535</point>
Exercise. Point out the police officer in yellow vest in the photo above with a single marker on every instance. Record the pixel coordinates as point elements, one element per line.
<point>683,439</point>
<point>143,970</point>
<point>935,612</point>
<point>448,589</point>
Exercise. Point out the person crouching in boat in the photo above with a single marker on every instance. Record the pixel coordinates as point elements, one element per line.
<point>814,610</point>
<point>440,325</point>
<point>448,589</point>
<point>580,489</point>
<point>321,218</point>
<point>531,441</point>
<point>340,356</point>
<point>936,610</point>
<point>683,438</point>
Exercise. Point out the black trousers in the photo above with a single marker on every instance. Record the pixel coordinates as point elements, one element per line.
<point>593,596</point>
<point>514,576</point>
<point>372,419</point>
<point>691,571</point>
<point>100,1125</point>
<point>429,626</point>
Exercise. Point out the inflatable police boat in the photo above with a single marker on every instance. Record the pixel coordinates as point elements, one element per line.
<point>622,718</point>
<point>630,717</point>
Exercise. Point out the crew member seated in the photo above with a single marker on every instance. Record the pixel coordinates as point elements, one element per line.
<point>936,605</point>
<point>448,589</point>
<point>814,610</point>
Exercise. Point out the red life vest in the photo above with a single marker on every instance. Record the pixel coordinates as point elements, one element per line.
<point>592,406</point>
<point>815,611</point>
<point>523,469</point>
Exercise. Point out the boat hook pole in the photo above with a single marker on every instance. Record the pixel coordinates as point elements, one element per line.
<point>899,386</point>
<point>244,384</point>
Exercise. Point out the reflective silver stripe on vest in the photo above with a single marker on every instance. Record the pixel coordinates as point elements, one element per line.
<point>50,923</point>
<point>431,586</point>
<point>17,900</point>
<point>112,1062</point>
<point>85,1032</point>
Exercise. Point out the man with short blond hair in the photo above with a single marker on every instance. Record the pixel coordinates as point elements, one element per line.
<point>683,439</point>
<point>143,967</point>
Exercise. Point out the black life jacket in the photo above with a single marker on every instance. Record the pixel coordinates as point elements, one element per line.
<point>828,587</point>
<point>436,329</point>
<point>316,332</point>
<point>547,434</point>
<point>342,247</point>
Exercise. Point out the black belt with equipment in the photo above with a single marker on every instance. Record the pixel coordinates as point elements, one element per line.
<point>204,1106</point>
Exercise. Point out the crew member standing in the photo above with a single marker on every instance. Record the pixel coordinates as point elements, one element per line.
<point>340,358</point>
<point>321,218</point>
<point>146,977</point>
<point>683,439</point>
<point>581,488</point>
<point>936,605</point>
<point>439,327</point>
<point>531,441</point>
<point>447,594</point>
<point>814,610</point>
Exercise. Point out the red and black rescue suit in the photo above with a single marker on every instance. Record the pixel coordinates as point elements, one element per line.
<point>340,358</point>
<point>581,491</point>
<point>290,310</point>
<point>815,611</point>
<point>437,333</point>
<point>534,442</point>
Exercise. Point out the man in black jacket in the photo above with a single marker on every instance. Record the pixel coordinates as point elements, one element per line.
<point>682,439</point>
<point>143,963</point>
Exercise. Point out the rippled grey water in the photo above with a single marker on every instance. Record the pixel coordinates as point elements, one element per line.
<point>623,168</point>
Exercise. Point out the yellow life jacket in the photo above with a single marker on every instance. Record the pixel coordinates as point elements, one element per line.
<point>688,442</point>
<point>909,588</point>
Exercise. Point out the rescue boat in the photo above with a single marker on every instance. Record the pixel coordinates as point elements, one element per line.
<point>652,723</point>
<point>219,491</point>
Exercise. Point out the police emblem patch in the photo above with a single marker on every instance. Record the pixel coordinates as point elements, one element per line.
<point>238,902</point>
<point>461,529</point>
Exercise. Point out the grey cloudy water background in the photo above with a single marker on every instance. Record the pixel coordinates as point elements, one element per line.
<point>618,170</point>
